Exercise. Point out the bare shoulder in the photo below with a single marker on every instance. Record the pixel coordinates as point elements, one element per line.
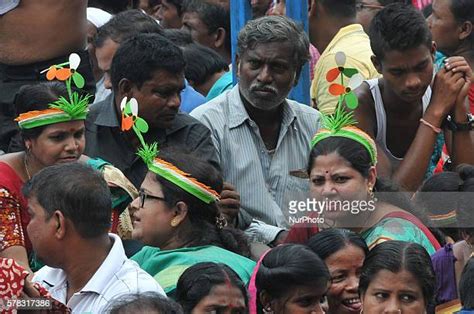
<point>365,111</point>
<point>33,19</point>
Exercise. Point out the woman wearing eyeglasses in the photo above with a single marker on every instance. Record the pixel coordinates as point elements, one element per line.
<point>177,218</point>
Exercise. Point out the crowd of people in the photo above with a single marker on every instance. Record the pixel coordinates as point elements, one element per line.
<point>137,177</point>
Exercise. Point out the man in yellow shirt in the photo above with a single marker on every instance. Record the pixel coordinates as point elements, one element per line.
<point>333,28</point>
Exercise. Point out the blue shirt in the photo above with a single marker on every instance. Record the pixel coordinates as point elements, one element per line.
<point>225,82</point>
<point>190,98</point>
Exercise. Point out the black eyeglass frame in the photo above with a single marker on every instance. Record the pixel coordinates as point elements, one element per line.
<point>143,196</point>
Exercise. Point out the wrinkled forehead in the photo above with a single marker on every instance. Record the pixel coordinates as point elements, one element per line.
<point>276,49</point>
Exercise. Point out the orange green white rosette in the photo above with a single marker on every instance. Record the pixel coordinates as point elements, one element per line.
<point>166,170</point>
<point>341,123</point>
<point>75,107</point>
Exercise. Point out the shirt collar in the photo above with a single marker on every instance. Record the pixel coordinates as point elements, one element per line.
<point>237,112</point>
<point>109,267</point>
<point>239,115</point>
<point>57,280</point>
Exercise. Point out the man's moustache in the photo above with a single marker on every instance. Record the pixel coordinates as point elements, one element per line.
<point>264,89</point>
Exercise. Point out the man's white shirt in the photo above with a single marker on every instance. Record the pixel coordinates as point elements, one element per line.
<point>116,276</point>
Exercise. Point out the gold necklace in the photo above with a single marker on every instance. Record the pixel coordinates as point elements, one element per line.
<point>26,168</point>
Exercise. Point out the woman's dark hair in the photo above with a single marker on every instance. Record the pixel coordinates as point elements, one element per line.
<point>330,241</point>
<point>359,159</point>
<point>202,216</point>
<point>464,212</point>
<point>434,203</point>
<point>397,256</point>
<point>144,302</point>
<point>37,97</point>
<point>198,280</point>
<point>457,189</point>
<point>466,285</point>
<point>288,266</point>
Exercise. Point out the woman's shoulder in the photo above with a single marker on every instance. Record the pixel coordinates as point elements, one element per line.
<point>166,266</point>
<point>9,177</point>
<point>198,252</point>
<point>154,260</point>
<point>10,160</point>
<point>395,228</point>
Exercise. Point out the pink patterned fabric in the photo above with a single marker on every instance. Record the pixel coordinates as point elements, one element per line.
<point>314,58</point>
<point>252,286</point>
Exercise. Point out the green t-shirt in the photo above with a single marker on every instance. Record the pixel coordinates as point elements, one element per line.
<point>167,266</point>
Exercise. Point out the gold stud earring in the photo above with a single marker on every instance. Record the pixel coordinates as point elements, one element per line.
<point>174,222</point>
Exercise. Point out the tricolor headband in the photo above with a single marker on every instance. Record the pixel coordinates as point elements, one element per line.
<point>444,219</point>
<point>164,169</point>
<point>341,123</point>
<point>179,178</point>
<point>62,110</point>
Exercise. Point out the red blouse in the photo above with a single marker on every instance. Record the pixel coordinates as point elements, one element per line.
<point>13,210</point>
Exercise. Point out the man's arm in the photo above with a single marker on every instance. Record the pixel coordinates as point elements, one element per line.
<point>446,89</point>
<point>462,144</point>
<point>411,171</point>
